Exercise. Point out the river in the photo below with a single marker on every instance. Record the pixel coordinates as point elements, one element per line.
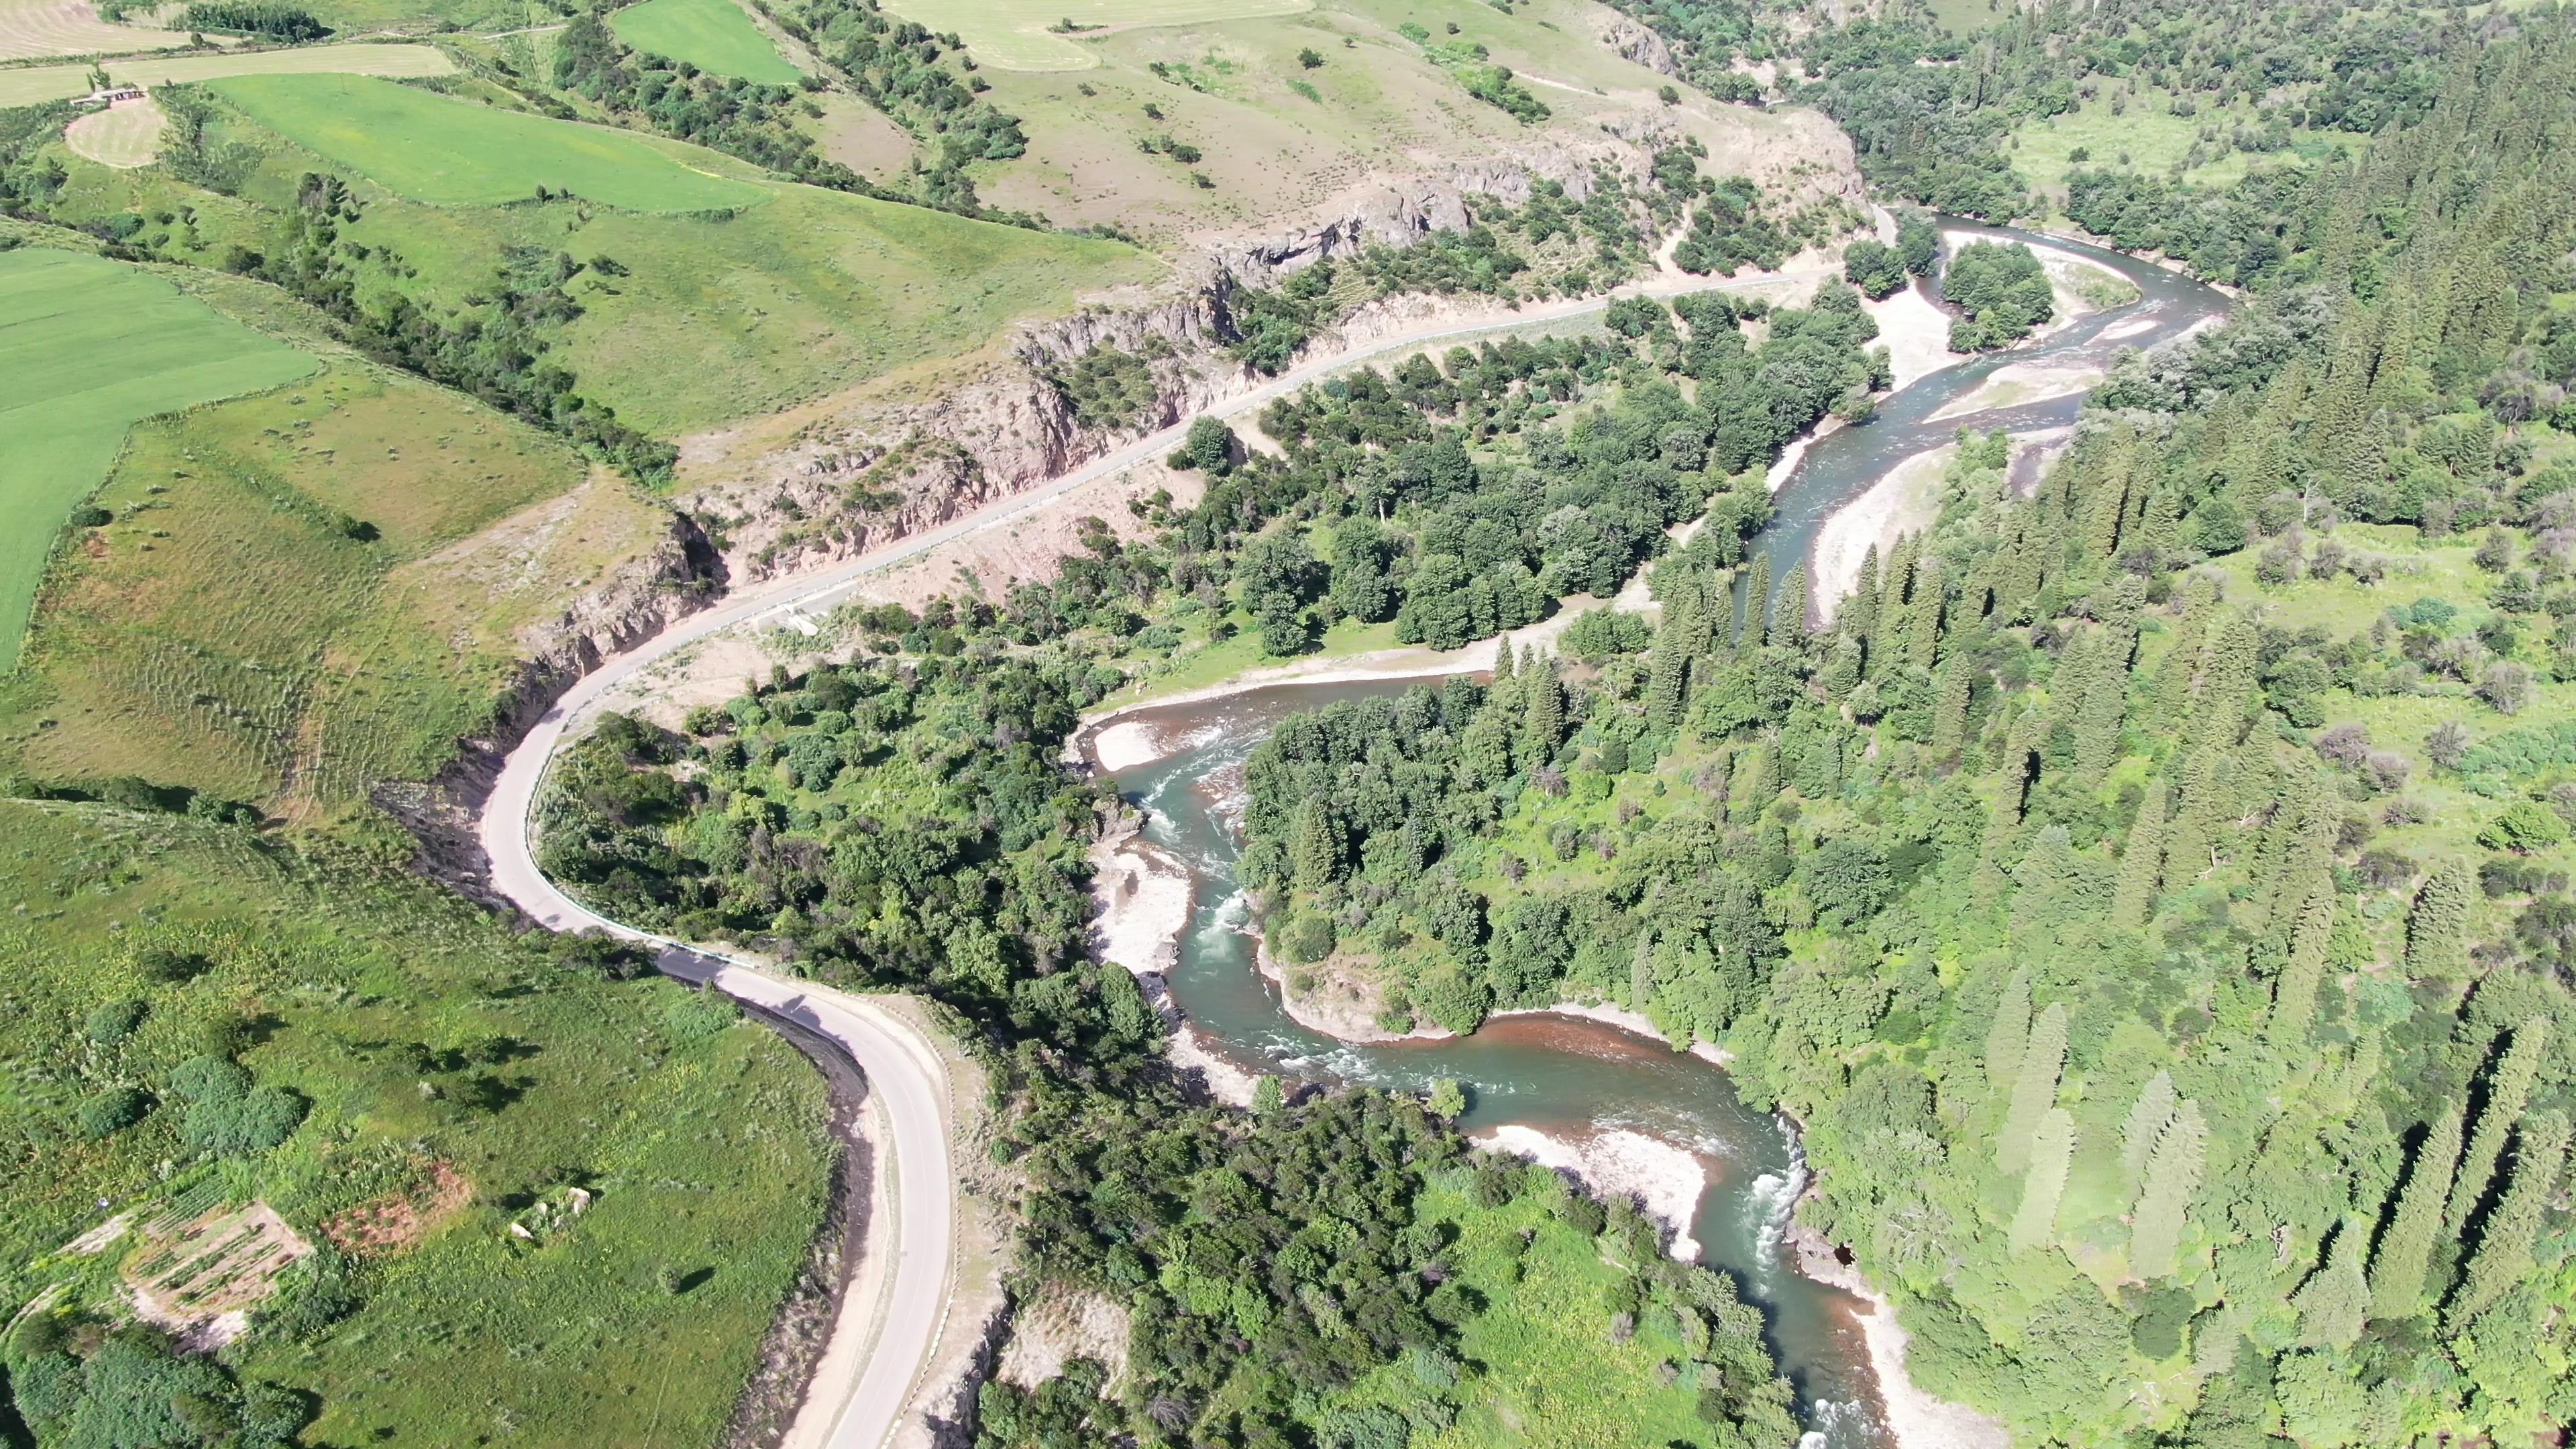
<point>1575,1080</point>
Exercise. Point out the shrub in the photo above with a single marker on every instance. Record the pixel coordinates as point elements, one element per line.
<point>246,1125</point>
<point>90,515</point>
<point>113,1021</point>
<point>112,1111</point>
<point>169,964</point>
<point>1307,937</point>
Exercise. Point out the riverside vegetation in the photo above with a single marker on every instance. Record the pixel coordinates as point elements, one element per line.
<point>2151,893</point>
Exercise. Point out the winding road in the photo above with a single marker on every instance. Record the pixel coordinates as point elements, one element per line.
<point>894,1336</point>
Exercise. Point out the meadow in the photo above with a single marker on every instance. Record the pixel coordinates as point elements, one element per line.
<point>1014,34</point>
<point>125,137</point>
<point>433,1050</point>
<point>33,85</point>
<point>716,36</point>
<point>2145,136</point>
<point>435,149</point>
<point>162,653</point>
<point>87,348</point>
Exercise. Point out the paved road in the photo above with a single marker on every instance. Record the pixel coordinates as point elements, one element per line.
<point>903,1069</point>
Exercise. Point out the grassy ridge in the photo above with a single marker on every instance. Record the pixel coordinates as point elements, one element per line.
<point>713,35</point>
<point>1015,34</point>
<point>87,347</point>
<point>430,148</point>
<point>35,84</point>
<point>356,989</point>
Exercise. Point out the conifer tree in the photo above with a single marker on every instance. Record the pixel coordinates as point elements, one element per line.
<point>1757,780</point>
<point>2503,1257</point>
<point>2140,863</point>
<point>1857,617</point>
<point>2508,1091</point>
<point>2331,1303</point>
<point>1641,971</point>
<point>2098,721</point>
<point>2437,929</point>
<point>1502,665</point>
<point>2052,1150</point>
<point>1757,603</point>
<point>2009,1036</point>
<point>1923,626</point>
<point>2172,1177</point>
<point>1789,625</point>
<point>2294,998</point>
<point>1313,853</point>
<point>2147,1120</point>
<point>2406,1248</point>
<point>2034,1088</point>
<point>1667,670</point>
<point>1545,720</point>
<point>1950,710</point>
<point>1888,641</point>
<point>2187,840</point>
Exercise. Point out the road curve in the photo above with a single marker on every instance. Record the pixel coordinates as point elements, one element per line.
<point>903,1069</point>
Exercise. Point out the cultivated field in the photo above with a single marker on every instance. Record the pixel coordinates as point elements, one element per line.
<point>449,152</point>
<point>88,347</point>
<point>716,36</point>
<point>30,28</point>
<point>36,84</point>
<point>1013,34</point>
<point>124,136</point>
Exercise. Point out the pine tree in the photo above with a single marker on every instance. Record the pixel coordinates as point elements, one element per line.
<point>2009,1037</point>
<point>2508,1091</point>
<point>1757,780</point>
<point>1950,710</point>
<point>2140,863</point>
<point>1545,727</point>
<point>1790,625</point>
<point>1757,603</point>
<point>1887,644</point>
<point>2406,1248</point>
<point>1667,671</point>
<point>2034,1088</point>
<point>1857,617</point>
<point>2437,929</point>
<point>2503,1256</point>
<point>2147,1121</point>
<point>1312,852</point>
<point>2332,1301</point>
<point>2172,1177</point>
<point>2187,840</point>
<point>1502,665</point>
<point>1923,627</point>
<point>2052,1149</point>
<point>2098,721</point>
<point>2294,998</point>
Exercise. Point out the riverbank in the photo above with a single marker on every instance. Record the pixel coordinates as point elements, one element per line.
<point>1904,500</point>
<point>1913,1418</point>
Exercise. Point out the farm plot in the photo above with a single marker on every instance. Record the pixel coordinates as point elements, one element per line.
<point>30,28</point>
<point>124,136</point>
<point>87,348</point>
<point>1015,35</point>
<point>35,85</point>
<point>716,36</point>
<point>447,152</point>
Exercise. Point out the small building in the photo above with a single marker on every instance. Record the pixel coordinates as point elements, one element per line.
<point>110,96</point>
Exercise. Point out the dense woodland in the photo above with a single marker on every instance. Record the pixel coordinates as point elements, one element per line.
<point>904,823</point>
<point>2151,893</point>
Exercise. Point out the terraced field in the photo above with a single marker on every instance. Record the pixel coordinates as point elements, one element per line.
<point>87,348</point>
<point>34,85</point>
<point>716,36</point>
<point>31,28</point>
<point>1015,34</point>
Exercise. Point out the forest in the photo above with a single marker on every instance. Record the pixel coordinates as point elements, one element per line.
<point>2150,893</point>
<point>1299,1275</point>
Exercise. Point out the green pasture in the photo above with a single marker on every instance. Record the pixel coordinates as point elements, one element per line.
<point>87,348</point>
<point>354,984</point>
<point>448,152</point>
<point>716,36</point>
<point>34,85</point>
<point>2150,136</point>
<point>1014,34</point>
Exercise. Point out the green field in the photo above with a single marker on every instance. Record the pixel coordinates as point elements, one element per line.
<point>716,36</point>
<point>1013,34</point>
<point>35,84</point>
<point>449,152</point>
<point>429,1045</point>
<point>88,348</point>
<point>2151,139</point>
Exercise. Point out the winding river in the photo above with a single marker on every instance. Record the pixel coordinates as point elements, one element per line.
<point>1578,1081</point>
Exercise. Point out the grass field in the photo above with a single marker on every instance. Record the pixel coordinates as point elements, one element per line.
<point>2149,135</point>
<point>1013,34</point>
<point>431,148</point>
<point>125,136</point>
<point>30,28</point>
<point>355,985</point>
<point>33,85</point>
<point>87,348</point>
<point>716,36</point>
<point>161,650</point>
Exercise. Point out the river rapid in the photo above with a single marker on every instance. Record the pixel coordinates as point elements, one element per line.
<point>1638,1115</point>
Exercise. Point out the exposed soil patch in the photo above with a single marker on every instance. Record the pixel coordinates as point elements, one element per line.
<point>199,1277</point>
<point>403,1219</point>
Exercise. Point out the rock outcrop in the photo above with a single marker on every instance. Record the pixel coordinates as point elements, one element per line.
<point>1637,44</point>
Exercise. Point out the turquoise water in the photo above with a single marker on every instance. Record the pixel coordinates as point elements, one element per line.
<point>1565,1076</point>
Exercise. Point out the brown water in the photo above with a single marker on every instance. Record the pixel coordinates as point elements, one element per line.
<point>1564,1076</point>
